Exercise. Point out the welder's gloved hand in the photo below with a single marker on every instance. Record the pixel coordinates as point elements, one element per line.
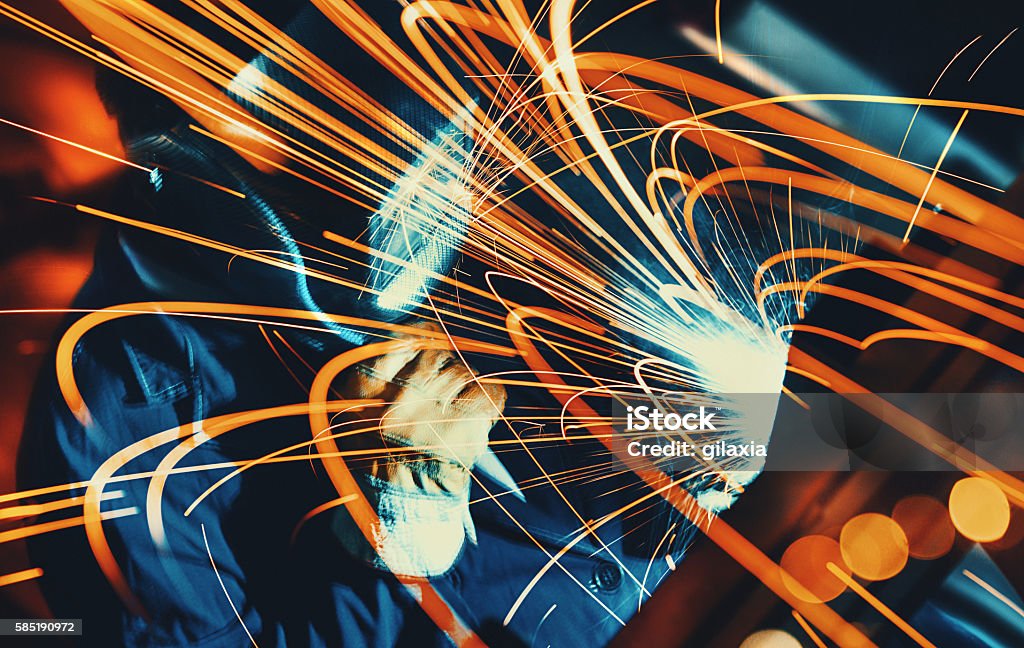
<point>432,428</point>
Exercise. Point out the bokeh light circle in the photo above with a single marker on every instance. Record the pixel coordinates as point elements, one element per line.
<point>771,639</point>
<point>925,521</point>
<point>805,572</point>
<point>979,509</point>
<point>874,546</point>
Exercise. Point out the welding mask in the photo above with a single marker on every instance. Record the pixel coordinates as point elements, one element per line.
<point>296,236</point>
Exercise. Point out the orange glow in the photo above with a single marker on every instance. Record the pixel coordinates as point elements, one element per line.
<point>874,546</point>
<point>979,509</point>
<point>805,569</point>
<point>926,523</point>
<point>20,577</point>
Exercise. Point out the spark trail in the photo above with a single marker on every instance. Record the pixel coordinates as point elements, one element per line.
<point>633,238</point>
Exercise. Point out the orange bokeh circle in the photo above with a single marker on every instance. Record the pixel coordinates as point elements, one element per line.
<point>805,572</point>
<point>874,546</point>
<point>925,521</point>
<point>979,509</point>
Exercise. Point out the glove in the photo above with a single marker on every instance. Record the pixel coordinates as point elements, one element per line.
<point>431,429</point>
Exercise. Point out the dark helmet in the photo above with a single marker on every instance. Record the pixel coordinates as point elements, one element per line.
<point>407,212</point>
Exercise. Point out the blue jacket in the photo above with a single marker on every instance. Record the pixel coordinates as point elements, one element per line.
<point>148,373</point>
<point>236,566</point>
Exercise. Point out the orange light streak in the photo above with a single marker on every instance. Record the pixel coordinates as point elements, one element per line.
<point>882,608</point>
<point>20,576</point>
